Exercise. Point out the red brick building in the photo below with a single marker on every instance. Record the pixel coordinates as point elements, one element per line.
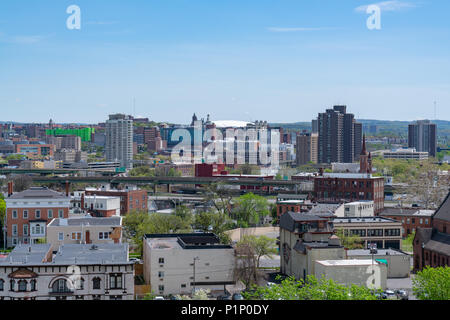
<point>411,218</point>
<point>432,245</point>
<point>350,187</point>
<point>130,198</point>
<point>28,213</point>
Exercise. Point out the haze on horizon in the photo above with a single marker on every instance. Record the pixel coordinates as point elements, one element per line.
<point>282,61</point>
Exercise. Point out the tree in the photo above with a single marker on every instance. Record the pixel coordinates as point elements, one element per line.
<point>200,294</point>
<point>220,196</point>
<point>215,222</point>
<point>142,171</point>
<point>350,241</point>
<point>432,283</point>
<point>261,246</point>
<point>137,224</point>
<point>21,182</point>
<point>184,213</point>
<point>311,289</point>
<point>250,209</point>
<point>245,269</point>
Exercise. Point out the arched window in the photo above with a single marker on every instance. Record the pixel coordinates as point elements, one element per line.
<point>2,284</point>
<point>12,284</point>
<point>96,283</point>
<point>60,286</point>
<point>22,285</point>
<point>33,285</point>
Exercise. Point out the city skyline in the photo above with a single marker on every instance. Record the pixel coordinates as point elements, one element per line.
<point>281,61</point>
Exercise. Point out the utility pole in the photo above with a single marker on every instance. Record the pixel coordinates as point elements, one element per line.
<point>195,259</point>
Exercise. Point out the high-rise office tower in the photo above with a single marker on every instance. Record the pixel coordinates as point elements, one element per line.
<point>357,134</point>
<point>119,140</point>
<point>337,139</point>
<point>315,126</point>
<point>422,137</point>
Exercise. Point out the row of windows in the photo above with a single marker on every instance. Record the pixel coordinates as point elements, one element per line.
<point>373,232</point>
<point>37,214</point>
<point>346,183</point>
<point>21,285</point>
<point>36,229</point>
<point>346,195</point>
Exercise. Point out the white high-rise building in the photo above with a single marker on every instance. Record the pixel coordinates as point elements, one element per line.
<point>119,140</point>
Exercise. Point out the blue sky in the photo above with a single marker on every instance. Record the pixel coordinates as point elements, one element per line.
<point>277,60</point>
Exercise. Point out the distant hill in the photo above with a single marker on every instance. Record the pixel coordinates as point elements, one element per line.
<point>398,127</point>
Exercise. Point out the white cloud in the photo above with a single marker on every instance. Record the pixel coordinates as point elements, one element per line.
<point>281,29</point>
<point>393,5</point>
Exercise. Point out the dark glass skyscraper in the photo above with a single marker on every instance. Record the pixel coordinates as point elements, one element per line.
<point>339,136</point>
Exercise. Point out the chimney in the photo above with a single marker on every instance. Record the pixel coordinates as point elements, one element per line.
<point>10,188</point>
<point>67,188</point>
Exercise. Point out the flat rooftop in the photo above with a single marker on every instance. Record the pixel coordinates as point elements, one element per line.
<point>185,241</point>
<point>81,254</point>
<point>380,252</point>
<point>86,221</point>
<point>347,263</point>
<point>364,220</point>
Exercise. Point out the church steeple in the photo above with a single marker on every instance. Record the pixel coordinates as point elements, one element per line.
<point>365,160</point>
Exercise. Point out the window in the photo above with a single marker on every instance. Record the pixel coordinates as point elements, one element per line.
<point>14,214</point>
<point>103,235</point>
<point>50,213</point>
<point>426,221</point>
<point>60,236</point>
<point>14,229</point>
<point>183,285</point>
<point>115,281</point>
<point>2,284</point>
<point>12,285</point>
<point>96,283</point>
<point>60,213</point>
<point>33,285</point>
<point>161,274</point>
<point>161,260</point>
<point>37,214</point>
<point>60,286</point>
<point>25,214</point>
<point>25,230</point>
<point>76,235</point>
<point>161,288</point>
<point>22,285</point>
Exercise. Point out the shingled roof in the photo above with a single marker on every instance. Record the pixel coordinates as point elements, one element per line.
<point>443,212</point>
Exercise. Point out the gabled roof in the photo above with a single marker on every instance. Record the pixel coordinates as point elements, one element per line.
<point>440,242</point>
<point>443,212</point>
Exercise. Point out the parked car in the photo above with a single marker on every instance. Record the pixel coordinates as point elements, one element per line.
<point>237,296</point>
<point>402,294</point>
<point>159,298</point>
<point>390,295</point>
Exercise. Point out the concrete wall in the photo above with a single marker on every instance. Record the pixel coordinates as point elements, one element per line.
<point>237,234</point>
<point>213,265</point>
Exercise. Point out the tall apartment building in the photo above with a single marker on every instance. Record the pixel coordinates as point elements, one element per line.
<point>307,148</point>
<point>422,137</point>
<point>119,140</point>
<point>339,136</point>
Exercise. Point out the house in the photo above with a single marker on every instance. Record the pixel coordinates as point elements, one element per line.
<point>28,213</point>
<point>304,239</point>
<point>432,245</point>
<point>85,230</point>
<point>72,272</point>
<point>178,263</point>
